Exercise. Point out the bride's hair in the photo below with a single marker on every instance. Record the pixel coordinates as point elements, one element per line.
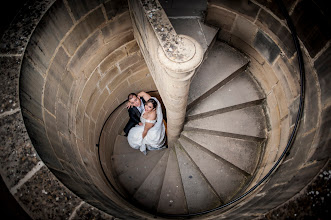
<point>154,103</point>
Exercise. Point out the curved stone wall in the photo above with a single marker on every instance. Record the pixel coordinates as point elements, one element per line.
<point>260,31</point>
<point>60,63</point>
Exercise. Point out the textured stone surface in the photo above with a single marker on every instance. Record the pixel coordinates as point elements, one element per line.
<point>81,7</point>
<point>16,37</point>
<point>312,25</point>
<point>31,83</point>
<point>266,46</point>
<point>279,30</point>
<point>249,121</point>
<point>16,149</point>
<point>87,212</point>
<point>44,197</point>
<point>37,134</point>
<point>220,18</point>
<point>322,65</point>
<point>82,30</point>
<point>242,89</point>
<point>9,79</point>
<point>215,169</point>
<point>172,197</point>
<point>199,194</point>
<point>222,62</point>
<point>246,8</point>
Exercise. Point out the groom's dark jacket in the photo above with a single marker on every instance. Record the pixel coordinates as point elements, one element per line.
<point>134,115</point>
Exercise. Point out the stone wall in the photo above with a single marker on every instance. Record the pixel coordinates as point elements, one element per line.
<point>80,63</point>
<point>258,29</point>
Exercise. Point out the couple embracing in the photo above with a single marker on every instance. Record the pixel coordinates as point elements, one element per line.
<point>145,129</point>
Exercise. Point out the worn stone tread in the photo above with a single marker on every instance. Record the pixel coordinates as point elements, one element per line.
<point>172,197</point>
<point>149,192</point>
<point>241,153</point>
<point>199,194</point>
<point>138,171</point>
<point>249,121</point>
<point>241,89</point>
<point>225,180</point>
<point>222,62</point>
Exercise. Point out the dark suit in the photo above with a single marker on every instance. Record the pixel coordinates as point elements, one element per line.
<point>134,115</point>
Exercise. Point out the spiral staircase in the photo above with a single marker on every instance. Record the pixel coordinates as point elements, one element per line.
<point>219,148</point>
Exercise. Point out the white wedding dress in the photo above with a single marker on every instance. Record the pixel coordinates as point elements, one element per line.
<point>155,138</point>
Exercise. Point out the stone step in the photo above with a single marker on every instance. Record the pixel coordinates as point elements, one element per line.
<point>224,179</point>
<point>240,90</point>
<point>138,171</point>
<point>148,193</point>
<point>247,123</point>
<point>241,153</point>
<point>222,64</point>
<point>194,28</point>
<point>199,194</point>
<point>172,198</point>
<point>122,146</point>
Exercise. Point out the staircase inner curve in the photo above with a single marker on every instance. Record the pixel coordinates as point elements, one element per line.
<point>220,147</point>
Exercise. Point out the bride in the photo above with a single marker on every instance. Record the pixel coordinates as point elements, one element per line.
<point>150,133</point>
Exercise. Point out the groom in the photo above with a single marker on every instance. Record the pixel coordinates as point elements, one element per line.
<point>135,111</point>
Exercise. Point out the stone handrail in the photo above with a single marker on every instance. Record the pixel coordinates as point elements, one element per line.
<point>172,59</point>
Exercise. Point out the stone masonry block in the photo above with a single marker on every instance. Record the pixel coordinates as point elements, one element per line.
<point>31,105</point>
<point>82,30</point>
<point>118,25</point>
<point>62,119</point>
<point>44,197</point>
<point>37,134</point>
<point>93,99</point>
<point>127,62</point>
<point>273,6</point>
<point>139,75</point>
<point>323,149</point>
<point>9,79</point>
<point>86,122</point>
<point>49,32</point>
<point>265,45</point>
<point>79,119</point>
<point>110,60</point>
<point>65,87</point>
<point>89,87</point>
<point>115,8</point>
<point>31,82</point>
<point>220,17</point>
<point>244,29</point>
<point>283,81</point>
<point>108,77</point>
<point>291,75</point>
<point>246,48</point>
<point>105,50</point>
<point>114,84</point>
<point>84,54</point>
<point>16,149</point>
<point>79,8</point>
<point>97,107</point>
<point>323,69</point>
<point>278,30</point>
<point>246,8</point>
<point>54,139</point>
<point>312,26</point>
<point>281,100</point>
<point>132,47</point>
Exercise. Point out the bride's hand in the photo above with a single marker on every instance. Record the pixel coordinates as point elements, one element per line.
<point>140,124</point>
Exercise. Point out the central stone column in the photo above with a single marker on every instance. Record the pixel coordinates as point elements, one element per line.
<point>172,59</point>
